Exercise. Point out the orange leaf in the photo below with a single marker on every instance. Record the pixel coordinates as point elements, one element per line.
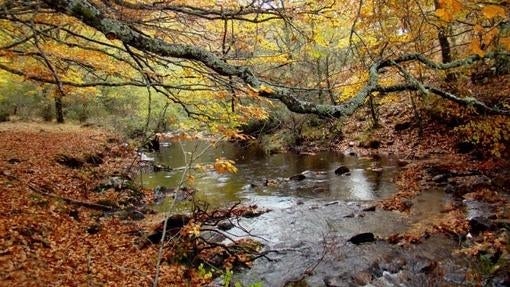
<point>505,42</point>
<point>487,38</point>
<point>492,11</point>
<point>444,15</point>
<point>478,29</point>
<point>476,49</point>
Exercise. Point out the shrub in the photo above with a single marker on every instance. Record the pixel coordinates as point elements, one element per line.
<point>491,134</point>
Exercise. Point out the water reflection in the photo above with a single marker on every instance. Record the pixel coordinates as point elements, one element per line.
<point>256,169</point>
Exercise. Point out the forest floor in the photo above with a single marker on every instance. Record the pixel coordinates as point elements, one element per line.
<point>56,228</point>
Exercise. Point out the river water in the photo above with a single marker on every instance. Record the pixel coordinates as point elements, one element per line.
<point>312,219</point>
<point>255,168</point>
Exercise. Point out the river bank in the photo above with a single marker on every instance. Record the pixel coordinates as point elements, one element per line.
<point>61,230</point>
<point>57,228</point>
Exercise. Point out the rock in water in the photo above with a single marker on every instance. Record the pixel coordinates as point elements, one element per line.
<point>362,238</point>
<point>341,170</point>
<point>370,208</point>
<point>479,224</point>
<point>297,177</point>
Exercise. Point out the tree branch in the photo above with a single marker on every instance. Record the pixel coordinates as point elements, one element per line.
<point>93,16</point>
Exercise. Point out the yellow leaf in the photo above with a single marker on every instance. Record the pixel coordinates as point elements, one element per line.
<point>194,229</point>
<point>487,38</point>
<point>505,42</point>
<point>222,165</point>
<point>190,180</point>
<point>265,89</point>
<point>478,29</point>
<point>476,49</point>
<point>448,9</point>
<point>492,11</point>
<point>444,15</point>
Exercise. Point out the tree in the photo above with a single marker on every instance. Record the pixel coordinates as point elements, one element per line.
<point>173,48</point>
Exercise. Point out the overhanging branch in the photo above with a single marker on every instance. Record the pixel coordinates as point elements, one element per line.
<point>92,15</point>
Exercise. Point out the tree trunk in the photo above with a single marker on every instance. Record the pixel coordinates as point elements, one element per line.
<point>503,61</point>
<point>446,51</point>
<point>59,113</point>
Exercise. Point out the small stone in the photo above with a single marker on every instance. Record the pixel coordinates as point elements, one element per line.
<point>352,144</point>
<point>332,203</point>
<point>94,229</point>
<point>225,225</point>
<point>393,264</point>
<point>402,162</point>
<point>374,144</point>
<point>370,208</point>
<point>479,224</point>
<point>350,152</point>
<point>297,177</point>
<point>362,238</point>
<point>440,178</point>
<point>341,170</point>
<point>300,202</point>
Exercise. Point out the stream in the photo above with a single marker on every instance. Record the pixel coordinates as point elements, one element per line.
<point>311,220</point>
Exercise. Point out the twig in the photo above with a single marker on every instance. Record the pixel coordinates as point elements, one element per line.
<point>73,201</point>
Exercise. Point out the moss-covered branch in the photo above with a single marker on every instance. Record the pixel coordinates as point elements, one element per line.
<point>94,16</point>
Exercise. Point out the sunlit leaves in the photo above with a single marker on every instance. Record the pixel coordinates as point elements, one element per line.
<point>449,9</point>
<point>492,133</point>
<point>192,229</point>
<point>475,48</point>
<point>493,11</point>
<point>222,165</point>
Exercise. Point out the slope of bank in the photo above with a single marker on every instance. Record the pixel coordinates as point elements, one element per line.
<point>63,222</point>
<point>457,157</point>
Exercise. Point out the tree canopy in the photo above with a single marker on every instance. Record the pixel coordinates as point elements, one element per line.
<point>221,60</point>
